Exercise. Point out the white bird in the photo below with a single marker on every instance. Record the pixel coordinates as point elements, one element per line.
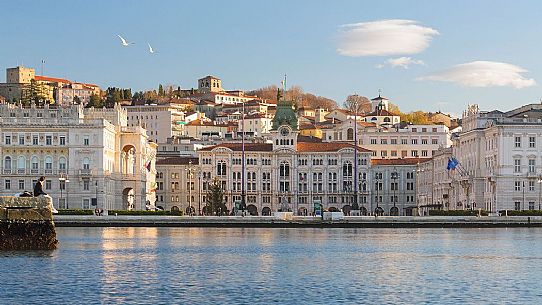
<point>124,42</point>
<point>151,50</point>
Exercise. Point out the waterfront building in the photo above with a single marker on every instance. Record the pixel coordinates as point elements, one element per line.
<point>394,186</point>
<point>90,157</point>
<point>499,164</point>
<point>288,173</point>
<point>435,190</point>
<point>178,181</point>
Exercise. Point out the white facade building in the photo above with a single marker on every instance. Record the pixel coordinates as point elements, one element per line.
<point>160,121</point>
<point>94,149</point>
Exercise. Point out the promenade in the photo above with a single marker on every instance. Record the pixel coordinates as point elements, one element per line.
<point>298,221</point>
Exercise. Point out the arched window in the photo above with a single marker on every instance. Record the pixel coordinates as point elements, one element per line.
<point>347,169</point>
<point>48,164</point>
<point>350,134</point>
<point>21,162</point>
<point>373,119</point>
<point>221,168</point>
<point>86,163</point>
<point>7,163</point>
<point>387,119</point>
<point>35,163</point>
<point>284,170</point>
<point>62,164</point>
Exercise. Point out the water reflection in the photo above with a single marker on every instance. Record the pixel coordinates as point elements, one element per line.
<point>282,266</point>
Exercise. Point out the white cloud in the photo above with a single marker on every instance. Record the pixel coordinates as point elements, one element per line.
<point>383,38</point>
<point>484,74</point>
<point>403,62</point>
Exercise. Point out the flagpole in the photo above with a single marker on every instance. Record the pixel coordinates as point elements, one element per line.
<point>243,194</point>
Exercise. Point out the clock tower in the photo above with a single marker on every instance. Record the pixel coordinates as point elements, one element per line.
<point>284,130</point>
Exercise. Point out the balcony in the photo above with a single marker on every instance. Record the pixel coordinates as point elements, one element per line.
<point>21,171</point>
<point>34,171</point>
<point>7,171</point>
<point>85,172</point>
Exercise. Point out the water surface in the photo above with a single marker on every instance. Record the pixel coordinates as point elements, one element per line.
<point>278,266</point>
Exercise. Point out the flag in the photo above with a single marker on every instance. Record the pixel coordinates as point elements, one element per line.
<point>452,163</point>
<point>148,166</point>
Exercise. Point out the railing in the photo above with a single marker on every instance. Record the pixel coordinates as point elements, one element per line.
<point>85,172</point>
<point>7,171</point>
<point>21,171</point>
<point>48,171</point>
<point>34,171</point>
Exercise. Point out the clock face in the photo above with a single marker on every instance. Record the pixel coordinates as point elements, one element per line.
<point>284,132</point>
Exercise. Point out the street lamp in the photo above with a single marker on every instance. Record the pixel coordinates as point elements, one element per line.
<point>189,176</point>
<point>394,177</point>
<point>377,186</point>
<point>539,191</point>
<point>63,179</point>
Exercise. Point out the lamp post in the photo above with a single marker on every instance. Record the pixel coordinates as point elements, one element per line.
<point>539,191</point>
<point>63,179</point>
<point>394,176</point>
<point>377,186</point>
<point>189,176</point>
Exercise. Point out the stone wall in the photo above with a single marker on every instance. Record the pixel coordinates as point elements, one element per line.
<point>26,223</point>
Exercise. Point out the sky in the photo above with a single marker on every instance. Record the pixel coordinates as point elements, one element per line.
<point>422,55</point>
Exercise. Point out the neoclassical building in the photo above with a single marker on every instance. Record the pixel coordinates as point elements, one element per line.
<point>500,165</point>
<point>289,172</point>
<point>90,157</point>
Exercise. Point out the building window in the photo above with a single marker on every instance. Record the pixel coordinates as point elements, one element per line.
<point>531,205</point>
<point>414,153</point>
<point>532,165</point>
<point>86,141</point>
<point>531,185</point>
<point>7,140</point>
<point>86,185</point>
<point>48,140</point>
<point>47,184</point>
<point>7,184</point>
<point>35,140</point>
<point>21,184</point>
<point>86,204</point>
<point>532,142</point>
<point>414,141</point>
<point>21,139</point>
<point>424,153</point>
<point>517,186</point>
<point>62,140</point>
<point>517,142</point>
<point>221,168</point>
<point>517,165</point>
<point>517,205</point>
<point>434,141</point>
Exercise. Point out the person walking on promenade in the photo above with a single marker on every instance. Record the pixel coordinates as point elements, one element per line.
<point>38,191</point>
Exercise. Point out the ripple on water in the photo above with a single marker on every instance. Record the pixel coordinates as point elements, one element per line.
<point>278,266</point>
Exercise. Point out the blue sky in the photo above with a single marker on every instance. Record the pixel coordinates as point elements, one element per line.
<point>250,44</point>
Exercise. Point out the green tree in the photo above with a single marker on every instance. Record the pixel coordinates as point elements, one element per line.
<point>76,100</point>
<point>161,90</point>
<point>215,199</point>
<point>95,101</point>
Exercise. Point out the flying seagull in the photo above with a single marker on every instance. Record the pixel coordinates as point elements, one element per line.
<point>124,42</point>
<point>151,50</point>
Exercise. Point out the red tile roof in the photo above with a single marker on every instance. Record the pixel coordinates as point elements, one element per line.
<point>178,161</point>
<point>239,147</point>
<point>404,161</point>
<point>326,147</point>
<point>51,79</point>
<point>382,112</point>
